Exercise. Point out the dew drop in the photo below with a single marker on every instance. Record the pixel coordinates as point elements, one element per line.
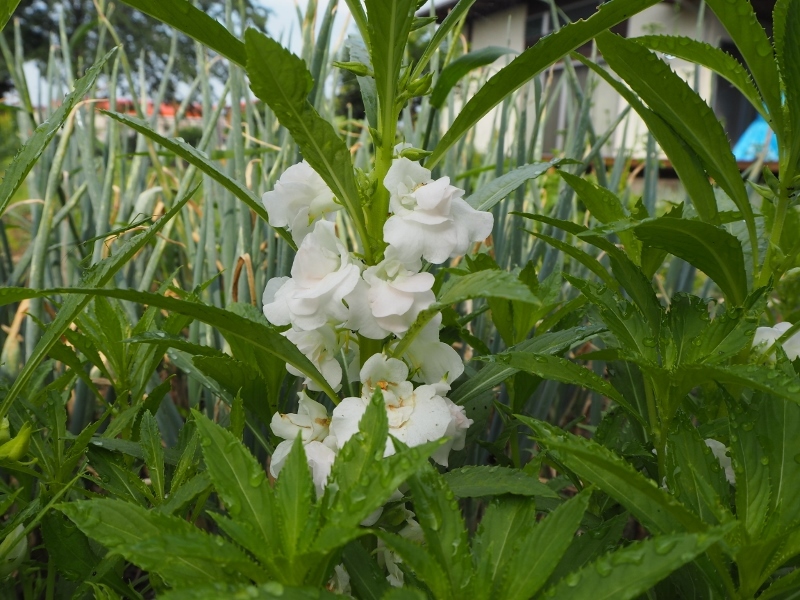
<point>665,546</point>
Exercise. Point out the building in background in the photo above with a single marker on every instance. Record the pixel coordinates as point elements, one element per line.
<point>519,24</point>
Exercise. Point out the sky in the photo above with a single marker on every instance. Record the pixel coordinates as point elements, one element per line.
<point>284,24</point>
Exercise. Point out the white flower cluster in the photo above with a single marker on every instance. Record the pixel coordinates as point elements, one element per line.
<point>332,297</point>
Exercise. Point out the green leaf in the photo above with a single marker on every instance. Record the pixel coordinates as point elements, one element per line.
<point>487,196</point>
<point>684,110</point>
<point>565,371</point>
<point>68,547</point>
<point>684,160</point>
<point>739,18</point>
<point>169,546</point>
<point>694,475</point>
<point>711,249</point>
<point>258,335</point>
<point>366,577</point>
<point>238,378</point>
<point>455,15</point>
<point>605,206</point>
<point>440,518</point>
<point>362,480</point>
<point>241,483</point>
<point>485,284</point>
<point>199,160</point>
<point>655,508</point>
<point>755,377</point>
<point>480,481</point>
<point>150,440</point>
<point>267,591</point>
<point>588,261</point>
<point>389,24</point>
<point>6,10</point>
<point>294,500</point>
<point>552,342</point>
<point>538,553</point>
<point>632,571</point>
<point>421,561</point>
<point>457,69</point>
<point>23,162</point>
<point>281,80</point>
<point>715,59</point>
<point>532,62</point>
<point>789,61</point>
<point>185,17</point>
<point>97,276</point>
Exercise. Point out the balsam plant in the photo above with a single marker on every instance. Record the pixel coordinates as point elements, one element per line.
<point>362,307</point>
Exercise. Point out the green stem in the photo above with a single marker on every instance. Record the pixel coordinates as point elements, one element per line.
<point>380,202</point>
<point>777,225</point>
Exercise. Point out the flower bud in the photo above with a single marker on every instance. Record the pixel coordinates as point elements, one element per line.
<point>17,447</point>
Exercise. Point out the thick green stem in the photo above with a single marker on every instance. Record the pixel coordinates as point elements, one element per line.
<point>380,202</point>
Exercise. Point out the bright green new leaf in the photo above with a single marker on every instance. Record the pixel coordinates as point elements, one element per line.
<point>185,17</point>
<point>23,162</point>
<point>532,62</point>
<point>711,249</point>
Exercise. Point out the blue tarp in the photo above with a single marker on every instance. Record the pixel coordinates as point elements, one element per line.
<point>751,144</point>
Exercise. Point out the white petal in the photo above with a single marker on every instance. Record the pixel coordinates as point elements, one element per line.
<point>276,308</point>
<point>404,175</point>
<point>320,459</point>
<point>345,419</point>
<point>360,317</point>
<point>279,457</point>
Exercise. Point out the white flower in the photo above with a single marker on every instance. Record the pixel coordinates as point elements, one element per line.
<point>323,273</point>
<point>310,422</point>
<point>719,451</point>
<point>389,298</point>
<point>433,361</point>
<point>340,581</point>
<point>300,198</point>
<point>388,374</point>
<point>766,336</point>
<point>430,219</point>
<point>321,346</point>
<point>319,455</point>
<point>456,432</point>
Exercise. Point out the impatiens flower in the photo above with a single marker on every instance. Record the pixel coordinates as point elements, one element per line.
<point>415,416</point>
<point>310,422</point>
<point>719,451</point>
<point>433,361</point>
<point>766,336</point>
<point>319,456</point>
<point>323,273</point>
<point>456,433</point>
<point>431,220</point>
<point>299,200</point>
<point>321,346</point>
<point>389,299</point>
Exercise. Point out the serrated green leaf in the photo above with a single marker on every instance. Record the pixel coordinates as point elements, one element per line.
<point>238,378</point>
<point>67,547</point>
<point>440,518</point>
<point>6,10</point>
<point>739,19</point>
<point>582,257</point>
<point>419,558</point>
<point>150,440</point>
<point>480,481</point>
<point>789,61</point>
<point>487,196</point>
<point>684,110</point>
<point>294,500</point>
<point>537,554</point>
<point>242,484</point>
<point>711,249</point>
<point>169,546</point>
<point>457,69</point>
<point>185,17</point>
<point>486,284</point>
<point>761,378</point>
<point>552,342</point>
<point>366,577</point>
<point>684,160</point>
<point>565,371</point>
<point>532,62</point>
<point>694,474</point>
<point>631,571</point>
<point>654,507</point>
<point>23,162</point>
<point>281,80</point>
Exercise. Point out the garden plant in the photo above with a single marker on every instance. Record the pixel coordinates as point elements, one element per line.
<point>313,354</point>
